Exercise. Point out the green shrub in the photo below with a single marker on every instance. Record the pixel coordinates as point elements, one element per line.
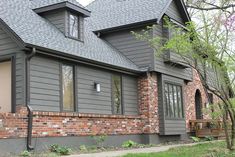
<point>195,139</point>
<point>129,144</point>
<point>99,140</point>
<point>60,150</point>
<point>25,153</point>
<point>83,148</point>
<point>209,138</point>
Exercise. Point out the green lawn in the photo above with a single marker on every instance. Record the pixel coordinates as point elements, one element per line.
<point>215,149</point>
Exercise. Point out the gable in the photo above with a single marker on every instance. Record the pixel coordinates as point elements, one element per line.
<point>174,12</point>
<point>7,44</point>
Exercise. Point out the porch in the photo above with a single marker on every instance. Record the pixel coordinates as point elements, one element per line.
<point>207,127</point>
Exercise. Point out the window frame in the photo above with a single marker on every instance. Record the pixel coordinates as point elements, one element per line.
<point>169,117</point>
<point>79,26</point>
<point>75,104</point>
<point>112,96</point>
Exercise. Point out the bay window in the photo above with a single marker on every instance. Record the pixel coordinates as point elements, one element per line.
<point>173,101</point>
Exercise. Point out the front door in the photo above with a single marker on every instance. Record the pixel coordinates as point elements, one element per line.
<point>5,87</point>
<point>198,105</point>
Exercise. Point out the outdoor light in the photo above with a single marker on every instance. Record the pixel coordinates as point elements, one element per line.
<point>97,87</point>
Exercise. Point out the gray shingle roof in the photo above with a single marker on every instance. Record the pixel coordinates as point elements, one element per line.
<point>113,13</point>
<point>36,30</point>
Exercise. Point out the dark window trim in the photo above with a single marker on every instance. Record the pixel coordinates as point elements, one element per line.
<point>12,59</point>
<point>79,26</point>
<point>122,105</point>
<point>75,108</point>
<point>183,109</point>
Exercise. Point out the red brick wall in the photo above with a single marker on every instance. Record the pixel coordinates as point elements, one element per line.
<point>189,96</point>
<point>148,102</point>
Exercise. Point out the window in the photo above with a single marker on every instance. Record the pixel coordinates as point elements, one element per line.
<point>68,87</point>
<point>74,26</point>
<point>117,94</point>
<point>173,101</point>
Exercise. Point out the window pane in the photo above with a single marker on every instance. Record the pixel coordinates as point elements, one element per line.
<point>171,101</point>
<point>166,100</point>
<point>176,107</point>
<point>73,26</point>
<point>180,102</point>
<point>68,88</point>
<point>117,94</point>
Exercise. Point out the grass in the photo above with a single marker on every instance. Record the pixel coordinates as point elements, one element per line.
<point>215,149</point>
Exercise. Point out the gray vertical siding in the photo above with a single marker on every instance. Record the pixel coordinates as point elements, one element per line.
<point>90,101</point>
<point>57,18</point>
<point>173,12</point>
<point>136,50</point>
<point>44,84</point>
<point>168,126</point>
<point>130,95</point>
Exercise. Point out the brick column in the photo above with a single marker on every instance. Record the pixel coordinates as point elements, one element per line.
<point>148,103</point>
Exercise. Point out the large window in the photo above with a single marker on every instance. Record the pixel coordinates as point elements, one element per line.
<point>117,94</point>
<point>173,101</point>
<point>68,87</point>
<point>74,26</point>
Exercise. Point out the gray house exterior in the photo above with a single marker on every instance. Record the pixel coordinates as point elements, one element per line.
<point>109,73</point>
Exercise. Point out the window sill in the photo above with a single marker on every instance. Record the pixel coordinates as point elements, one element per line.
<point>84,115</point>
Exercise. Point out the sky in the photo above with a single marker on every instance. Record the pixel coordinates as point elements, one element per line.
<point>84,2</point>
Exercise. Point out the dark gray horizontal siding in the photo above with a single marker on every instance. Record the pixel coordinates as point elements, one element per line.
<point>20,78</point>
<point>136,50</point>
<point>57,18</point>
<point>44,84</point>
<point>90,101</point>
<point>167,68</point>
<point>130,95</point>
<point>174,12</point>
<point>8,46</point>
<point>45,88</point>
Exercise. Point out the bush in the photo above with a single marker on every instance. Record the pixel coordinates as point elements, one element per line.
<point>83,148</point>
<point>25,153</point>
<point>129,144</point>
<point>99,140</point>
<point>60,150</point>
<point>209,138</point>
<point>195,139</point>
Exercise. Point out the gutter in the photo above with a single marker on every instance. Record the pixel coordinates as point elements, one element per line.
<point>29,108</point>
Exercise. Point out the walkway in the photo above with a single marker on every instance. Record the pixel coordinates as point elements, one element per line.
<point>139,150</point>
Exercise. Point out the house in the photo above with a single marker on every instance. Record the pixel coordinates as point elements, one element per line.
<point>68,72</point>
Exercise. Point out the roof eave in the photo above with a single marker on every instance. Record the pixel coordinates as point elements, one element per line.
<point>83,60</point>
<point>128,26</point>
<point>68,5</point>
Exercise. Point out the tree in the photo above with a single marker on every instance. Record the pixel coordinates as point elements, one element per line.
<point>205,45</point>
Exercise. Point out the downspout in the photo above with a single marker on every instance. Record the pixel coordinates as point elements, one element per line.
<point>30,110</point>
